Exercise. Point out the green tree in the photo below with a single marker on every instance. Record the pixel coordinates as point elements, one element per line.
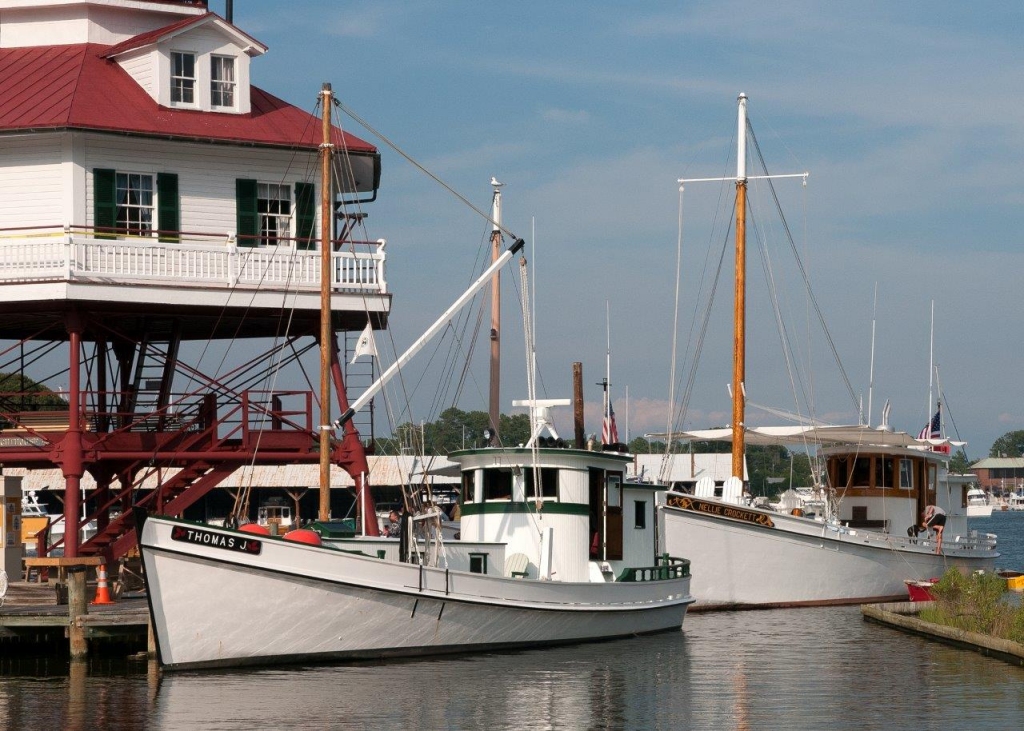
<point>20,393</point>
<point>959,463</point>
<point>768,469</point>
<point>1011,444</point>
<point>454,429</point>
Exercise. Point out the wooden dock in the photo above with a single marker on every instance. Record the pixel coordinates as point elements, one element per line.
<point>31,615</point>
<point>903,616</point>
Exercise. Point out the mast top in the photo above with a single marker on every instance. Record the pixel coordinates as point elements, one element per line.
<point>741,139</point>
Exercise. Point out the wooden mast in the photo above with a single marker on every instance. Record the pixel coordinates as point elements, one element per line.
<point>740,314</point>
<point>494,410</point>
<point>326,331</point>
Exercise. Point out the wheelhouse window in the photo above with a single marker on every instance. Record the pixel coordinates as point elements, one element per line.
<point>498,484</point>
<point>640,514</point>
<point>614,491</point>
<point>468,487</point>
<point>134,196</point>
<point>274,206</point>
<point>906,474</point>
<point>548,482</point>
<point>183,78</point>
<point>222,81</point>
<point>478,563</point>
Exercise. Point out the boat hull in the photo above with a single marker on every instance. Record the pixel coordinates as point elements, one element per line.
<point>790,561</point>
<point>214,606</point>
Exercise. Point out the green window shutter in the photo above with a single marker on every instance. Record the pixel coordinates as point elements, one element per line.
<point>104,203</point>
<point>305,216</point>
<point>248,217</point>
<point>169,207</point>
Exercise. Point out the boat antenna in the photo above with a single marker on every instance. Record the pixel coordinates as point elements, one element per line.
<point>931,362</point>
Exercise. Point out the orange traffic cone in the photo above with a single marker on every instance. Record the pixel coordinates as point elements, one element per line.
<point>102,590</point>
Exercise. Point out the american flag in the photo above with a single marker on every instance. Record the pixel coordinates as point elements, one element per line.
<point>609,432</point>
<point>933,429</point>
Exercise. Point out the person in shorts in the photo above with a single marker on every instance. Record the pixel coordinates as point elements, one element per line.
<point>934,518</point>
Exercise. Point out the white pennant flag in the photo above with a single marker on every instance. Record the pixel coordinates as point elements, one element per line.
<point>365,344</point>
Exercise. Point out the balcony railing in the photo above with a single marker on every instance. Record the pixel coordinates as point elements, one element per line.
<point>47,254</point>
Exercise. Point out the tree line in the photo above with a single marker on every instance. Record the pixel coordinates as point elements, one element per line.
<point>770,469</point>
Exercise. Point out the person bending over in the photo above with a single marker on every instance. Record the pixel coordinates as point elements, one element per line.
<point>934,518</point>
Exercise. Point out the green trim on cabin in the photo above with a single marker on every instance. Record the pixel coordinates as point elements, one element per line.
<point>104,203</point>
<point>614,456</point>
<point>168,207</point>
<point>305,216</point>
<point>247,216</point>
<point>500,508</point>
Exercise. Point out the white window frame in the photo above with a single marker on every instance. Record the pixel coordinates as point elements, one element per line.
<point>276,227</point>
<point>123,181</point>
<point>221,86</point>
<point>181,83</point>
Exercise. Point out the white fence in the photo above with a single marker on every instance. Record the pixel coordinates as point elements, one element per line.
<point>47,255</point>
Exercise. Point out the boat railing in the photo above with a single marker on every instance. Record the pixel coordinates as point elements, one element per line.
<point>182,259</point>
<point>668,567</point>
<point>973,541</point>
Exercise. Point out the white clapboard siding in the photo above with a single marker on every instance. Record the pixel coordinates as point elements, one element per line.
<point>139,65</point>
<point>57,24</point>
<point>31,181</point>
<point>206,173</point>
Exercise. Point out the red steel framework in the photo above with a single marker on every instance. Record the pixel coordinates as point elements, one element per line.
<point>135,408</point>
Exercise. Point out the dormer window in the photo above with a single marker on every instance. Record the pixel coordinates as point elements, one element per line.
<point>222,81</point>
<point>183,78</point>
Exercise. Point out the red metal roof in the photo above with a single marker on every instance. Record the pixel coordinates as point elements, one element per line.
<point>76,87</point>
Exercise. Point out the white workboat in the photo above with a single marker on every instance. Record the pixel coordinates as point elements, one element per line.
<point>877,483</point>
<point>221,597</point>
<point>861,552</point>
<point>549,557</point>
<point>978,505</point>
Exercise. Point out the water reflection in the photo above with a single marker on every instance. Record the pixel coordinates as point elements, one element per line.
<point>792,669</point>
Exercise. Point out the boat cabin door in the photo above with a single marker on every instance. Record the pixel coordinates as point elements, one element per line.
<point>605,515</point>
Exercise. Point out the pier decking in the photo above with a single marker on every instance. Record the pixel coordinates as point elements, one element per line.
<point>31,616</point>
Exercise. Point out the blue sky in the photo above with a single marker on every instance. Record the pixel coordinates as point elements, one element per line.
<point>907,115</point>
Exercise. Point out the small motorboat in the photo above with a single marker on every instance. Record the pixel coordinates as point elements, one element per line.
<point>921,590</point>
<point>1014,579</point>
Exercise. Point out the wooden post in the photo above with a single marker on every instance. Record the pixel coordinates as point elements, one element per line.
<point>326,329</point>
<point>577,405</point>
<point>78,605</point>
<point>150,639</point>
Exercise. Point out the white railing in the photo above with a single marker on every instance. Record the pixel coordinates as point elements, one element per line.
<point>39,255</point>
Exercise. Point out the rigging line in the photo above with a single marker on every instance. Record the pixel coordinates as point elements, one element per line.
<point>422,169</point>
<point>785,340</point>
<point>464,319</point>
<point>705,322</point>
<point>675,315</point>
<point>702,334</point>
<point>719,208</point>
<point>806,280</point>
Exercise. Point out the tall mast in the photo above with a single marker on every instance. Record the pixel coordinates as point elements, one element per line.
<point>326,331</point>
<point>740,314</point>
<point>494,410</point>
<point>739,395</point>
